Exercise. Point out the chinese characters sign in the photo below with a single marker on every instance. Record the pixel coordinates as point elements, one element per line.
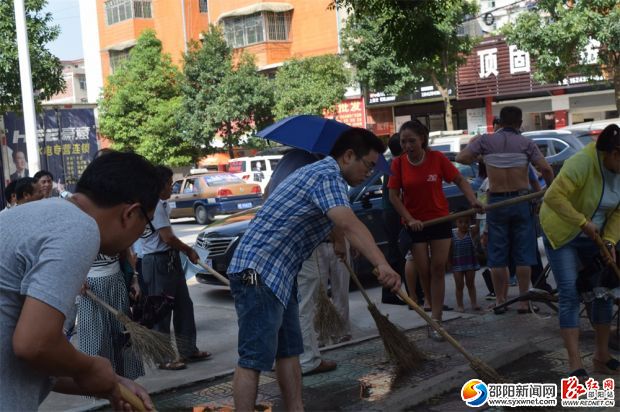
<point>67,141</point>
<point>351,112</point>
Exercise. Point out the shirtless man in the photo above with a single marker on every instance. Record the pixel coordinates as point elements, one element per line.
<point>507,156</point>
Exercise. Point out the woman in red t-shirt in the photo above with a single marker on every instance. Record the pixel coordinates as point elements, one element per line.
<point>417,178</point>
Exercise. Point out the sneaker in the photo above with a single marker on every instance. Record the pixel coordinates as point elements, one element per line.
<point>490,296</point>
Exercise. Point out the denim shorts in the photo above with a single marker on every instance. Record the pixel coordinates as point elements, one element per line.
<point>565,262</point>
<point>512,234</point>
<point>267,329</point>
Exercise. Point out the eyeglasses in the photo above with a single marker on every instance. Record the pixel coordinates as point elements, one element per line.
<point>369,165</point>
<point>149,229</point>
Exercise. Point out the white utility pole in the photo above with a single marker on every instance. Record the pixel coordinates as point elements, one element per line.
<point>30,122</point>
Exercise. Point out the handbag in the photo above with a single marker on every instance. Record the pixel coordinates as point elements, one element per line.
<point>597,280</point>
<point>150,310</point>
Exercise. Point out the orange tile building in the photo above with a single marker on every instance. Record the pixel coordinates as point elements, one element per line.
<point>274,31</point>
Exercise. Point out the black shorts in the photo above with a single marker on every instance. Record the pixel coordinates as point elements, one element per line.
<point>435,232</point>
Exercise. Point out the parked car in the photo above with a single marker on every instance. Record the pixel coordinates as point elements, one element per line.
<point>217,242</point>
<point>558,145</point>
<point>205,195</point>
<point>257,169</point>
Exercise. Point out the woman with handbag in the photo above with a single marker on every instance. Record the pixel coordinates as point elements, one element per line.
<point>583,201</point>
<point>418,175</point>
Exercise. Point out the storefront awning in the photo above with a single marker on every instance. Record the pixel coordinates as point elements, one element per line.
<point>257,8</point>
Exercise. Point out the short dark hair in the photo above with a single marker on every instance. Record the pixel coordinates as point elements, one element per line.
<point>164,173</point>
<point>120,177</point>
<point>361,141</point>
<point>418,128</point>
<point>24,186</point>
<point>42,173</point>
<point>495,121</point>
<point>511,116</point>
<point>15,153</point>
<point>394,145</point>
<point>9,190</point>
<point>609,139</point>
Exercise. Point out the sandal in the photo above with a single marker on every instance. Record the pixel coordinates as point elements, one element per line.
<point>580,374</point>
<point>500,311</point>
<point>533,309</point>
<point>197,356</point>
<point>611,367</point>
<point>173,365</point>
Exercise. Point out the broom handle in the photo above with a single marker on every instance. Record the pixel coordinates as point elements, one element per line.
<point>601,245</point>
<point>215,273</point>
<point>357,282</point>
<point>469,212</point>
<point>432,322</point>
<point>131,398</point>
<point>100,302</point>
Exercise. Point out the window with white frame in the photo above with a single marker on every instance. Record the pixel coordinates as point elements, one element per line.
<point>256,28</point>
<point>120,10</point>
<point>118,57</point>
<point>82,79</point>
<point>203,6</point>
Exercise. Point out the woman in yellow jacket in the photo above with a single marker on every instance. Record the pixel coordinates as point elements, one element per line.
<point>582,201</point>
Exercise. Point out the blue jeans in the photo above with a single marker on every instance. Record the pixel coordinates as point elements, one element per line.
<point>565,263</point>
<point>512,234</point>
<point>267,329</point>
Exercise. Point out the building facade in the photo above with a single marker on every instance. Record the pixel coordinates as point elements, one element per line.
<point>76,88</point>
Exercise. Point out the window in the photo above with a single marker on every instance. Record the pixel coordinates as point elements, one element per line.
<point>120,10</point>
<point>117,57</point>
<point>273,163</point>
<point>203,6</point>
<point>82,80</point>
<point>191,186</point>
<point>176,187</point>
<point>559,146</point>
<point>236,167</point>
<point>221,179</point>
<point>256,28</point>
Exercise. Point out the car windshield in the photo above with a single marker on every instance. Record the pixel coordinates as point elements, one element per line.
<point>221,179</point>
<point>236,167</point>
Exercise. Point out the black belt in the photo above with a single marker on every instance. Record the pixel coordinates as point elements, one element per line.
<point>514,193</point>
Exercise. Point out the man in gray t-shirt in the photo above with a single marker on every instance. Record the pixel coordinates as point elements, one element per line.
<point>47,249</point>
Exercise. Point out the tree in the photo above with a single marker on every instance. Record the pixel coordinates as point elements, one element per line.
<point>46,68</point>
<point>221,97</point>
<point>140,105</point>
<point>558,33</point>
<point>397,44</point>
<point>310,86</point>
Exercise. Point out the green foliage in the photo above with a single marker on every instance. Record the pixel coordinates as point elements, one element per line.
<point>396,44</point>
<point>46,68</point>
<point>140,104</point>
<point>310,85</point>
<point>557,33</point>
<point>220,97</point>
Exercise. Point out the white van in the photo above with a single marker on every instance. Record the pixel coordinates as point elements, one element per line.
<point>453,141</point>
<point>256,169</point>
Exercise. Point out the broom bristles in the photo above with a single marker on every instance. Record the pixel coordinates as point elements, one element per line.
<point>399,348</point>
<point>152,346</point>
<point>327,320</point>
<point>485,372</point>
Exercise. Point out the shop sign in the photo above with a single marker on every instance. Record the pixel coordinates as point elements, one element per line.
<point>496,68</point>
<point>351,112</point>
<point>426,91</point>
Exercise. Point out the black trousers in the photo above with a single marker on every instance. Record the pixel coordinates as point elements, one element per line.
<point>163,274</point>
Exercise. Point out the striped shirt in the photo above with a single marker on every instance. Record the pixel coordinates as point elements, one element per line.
<point>290,225</point>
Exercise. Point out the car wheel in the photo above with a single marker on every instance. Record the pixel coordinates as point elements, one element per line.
<point>203,216</point>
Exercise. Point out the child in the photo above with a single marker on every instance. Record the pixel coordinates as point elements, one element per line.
<point>464,263</point>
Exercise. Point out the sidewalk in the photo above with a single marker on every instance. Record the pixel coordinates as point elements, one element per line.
<point>524,348</point>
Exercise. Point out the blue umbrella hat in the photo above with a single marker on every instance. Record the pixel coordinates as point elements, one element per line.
<point>314,134</point>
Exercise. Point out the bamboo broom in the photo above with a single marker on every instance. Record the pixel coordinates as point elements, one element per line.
<point>399,348</point>
<point>152,346</point>
<point>214,272</point>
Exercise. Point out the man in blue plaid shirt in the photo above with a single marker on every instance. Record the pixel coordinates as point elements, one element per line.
<point>297,216</point>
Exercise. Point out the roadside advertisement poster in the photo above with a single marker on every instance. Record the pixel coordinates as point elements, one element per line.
<point>67,143</point>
